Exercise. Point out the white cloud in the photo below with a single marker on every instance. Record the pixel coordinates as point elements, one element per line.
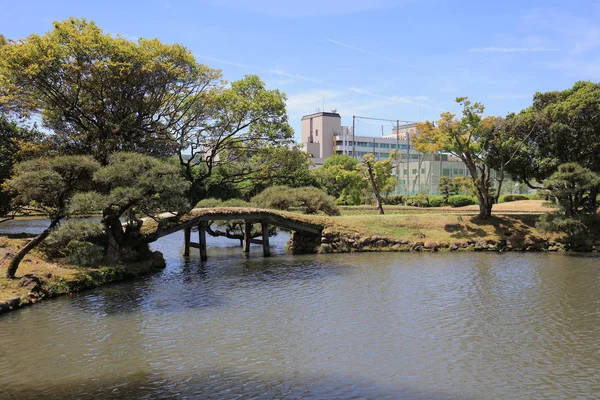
<point>358,49</point>
<point>303,103</point>
<point>511,49</point>
<point>414,100</point>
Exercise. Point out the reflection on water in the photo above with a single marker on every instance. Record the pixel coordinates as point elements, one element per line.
<point>411,326</point>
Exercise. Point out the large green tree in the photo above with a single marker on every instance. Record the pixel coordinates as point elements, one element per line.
<point>559,127</point>
<point>340,177</point>
<point>48,184</point>
<point>130,187</point>
<point>227,129</point>
<point>100,94</point>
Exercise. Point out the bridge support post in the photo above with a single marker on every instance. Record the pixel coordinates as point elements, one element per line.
<point>202,240</point>
<point>247,236</point>
<point>265,239</point>
<point>187,233</point>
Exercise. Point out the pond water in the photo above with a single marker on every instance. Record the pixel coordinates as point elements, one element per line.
<point>349,326</point>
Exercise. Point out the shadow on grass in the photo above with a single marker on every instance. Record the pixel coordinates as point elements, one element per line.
<point>504,227</point>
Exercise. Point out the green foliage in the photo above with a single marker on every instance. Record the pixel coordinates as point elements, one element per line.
<point>276,197</point>
<point>481,143</point>
<point>340,178</point>
<point>93,89</point>
<point>49,183</point>
<point>308,200</point>
<point>209,203</point>
<point>513,197</point>
<point>236,203</point>
<point>16,144</point>
<point>446,187</point>
<point>559,127</point>
<point>277,166</point>
<point>311,200</point>
<point>234,130</point>
<point>56,244</point>
<point>84,254</point>
<point>460,200</point>
<point>141,183</point>
<point>395,199</point>
<point>464,185</point>
<point>85,204</point>
<point>436,201</point>
<point>418,200</point>
<point>574,189</point>
<point>382,173</point>
<point>580,230</point>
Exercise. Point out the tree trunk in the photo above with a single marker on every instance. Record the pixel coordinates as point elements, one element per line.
<point>486,201</point>
<point>375,190</point>
<point>14,263</point>
<point>115,236</point>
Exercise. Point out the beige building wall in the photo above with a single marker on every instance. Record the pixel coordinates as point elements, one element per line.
<point>318,131</point>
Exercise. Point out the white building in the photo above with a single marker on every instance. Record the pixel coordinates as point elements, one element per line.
<point>322,135</point>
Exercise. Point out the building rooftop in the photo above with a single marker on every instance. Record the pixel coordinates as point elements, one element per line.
<point>322,114</point>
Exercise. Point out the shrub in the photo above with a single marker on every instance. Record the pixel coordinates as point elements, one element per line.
<point>209,203</point>
<point>394,199</point>
<point>436,201</point>
<point>418,200</point>
<point>277,197</point>
<point>84,254</point>
<point>513,197</point>
<point>579,230</point>
<point>309,200</point>
<point>57,243</point>
<point>460,200</point>
<point>236,203</point>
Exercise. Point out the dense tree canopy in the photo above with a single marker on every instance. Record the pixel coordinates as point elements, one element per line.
<point>48,184</point>
<point>237,123</point>
<point>340,177</point>
<point>559,127</point>
<point>100,94</point>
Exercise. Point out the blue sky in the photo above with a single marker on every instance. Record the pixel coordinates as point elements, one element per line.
<point>390,59</point>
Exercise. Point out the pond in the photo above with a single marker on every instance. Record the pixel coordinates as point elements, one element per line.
<point>368,325</point>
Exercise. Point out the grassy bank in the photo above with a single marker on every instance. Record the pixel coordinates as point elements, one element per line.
<point>407,225</point>
<point>38,279</point>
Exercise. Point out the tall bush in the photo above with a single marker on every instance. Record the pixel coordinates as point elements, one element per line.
<point>308,200</point>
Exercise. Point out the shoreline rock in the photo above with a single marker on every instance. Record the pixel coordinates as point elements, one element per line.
<point>40,288</point>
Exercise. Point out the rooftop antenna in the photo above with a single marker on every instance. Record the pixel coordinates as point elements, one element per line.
<point>323,101</point>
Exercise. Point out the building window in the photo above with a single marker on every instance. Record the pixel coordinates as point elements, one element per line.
<point>317,132</point>
<point>461,171</point>
<point>405,172</point>
<point>446,172</point>
<point>422,170</point>
<point>414,171</point>
<point>455,171</point>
